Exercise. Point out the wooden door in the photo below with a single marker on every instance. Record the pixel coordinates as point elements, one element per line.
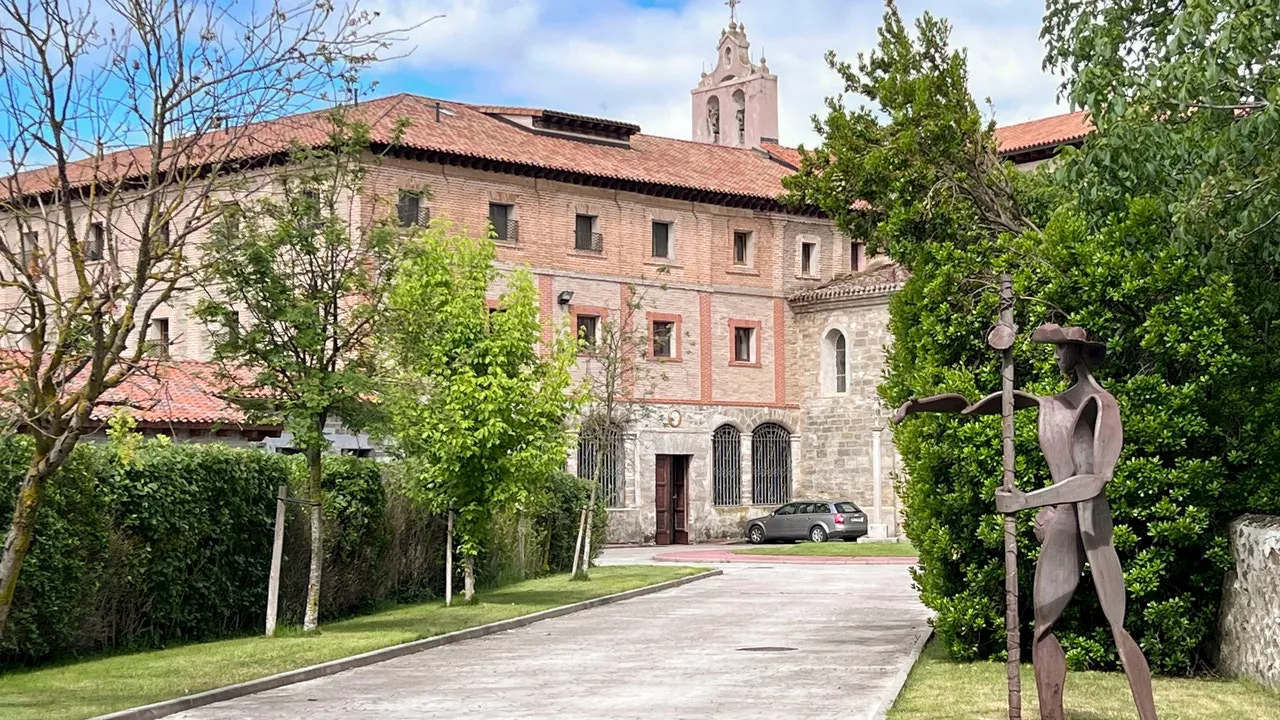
<point>662,499</point>
<point>680,499</point>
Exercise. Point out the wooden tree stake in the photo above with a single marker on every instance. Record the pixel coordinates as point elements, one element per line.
<point>1012,639</point>
<point>277,550</point>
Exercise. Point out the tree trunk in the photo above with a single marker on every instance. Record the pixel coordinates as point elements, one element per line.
<point>448,562</point>
<point>47,459</point>
<point>469,578</point>
<point>588,519</point>
<point>18,541</point>
<point>314,465</point>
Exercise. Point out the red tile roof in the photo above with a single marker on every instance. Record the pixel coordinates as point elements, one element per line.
<point>175,392</point>
<point>880,277</point>
<point>470,131</point>
<point>788,155</point>
<point>1044,133</point>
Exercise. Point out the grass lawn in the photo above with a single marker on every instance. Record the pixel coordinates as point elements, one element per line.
<point>834,549</point>
<point>941,689</point>
<point>96,686</point>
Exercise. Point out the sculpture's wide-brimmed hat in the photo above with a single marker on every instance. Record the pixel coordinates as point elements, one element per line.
<point>1053,334</point>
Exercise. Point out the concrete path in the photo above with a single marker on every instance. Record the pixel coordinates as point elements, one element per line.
<point>728,556</point>
<point>760,641</point>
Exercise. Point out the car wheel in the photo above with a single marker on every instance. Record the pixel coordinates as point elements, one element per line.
<point>817,533</point>
<point>755,535</point>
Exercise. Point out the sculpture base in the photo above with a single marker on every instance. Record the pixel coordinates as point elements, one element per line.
<point>877,533</point>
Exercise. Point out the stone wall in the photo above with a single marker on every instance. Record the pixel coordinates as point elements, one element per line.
<point>1250,619</point>
<point>839,425</point>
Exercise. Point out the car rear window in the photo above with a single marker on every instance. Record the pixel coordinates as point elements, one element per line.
<point>847,508</point>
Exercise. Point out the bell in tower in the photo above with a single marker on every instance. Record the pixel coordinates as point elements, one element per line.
<point>736,104</point>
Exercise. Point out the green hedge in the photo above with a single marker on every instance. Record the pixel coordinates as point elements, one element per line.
<point>166,543</point>
<point>145,544</point>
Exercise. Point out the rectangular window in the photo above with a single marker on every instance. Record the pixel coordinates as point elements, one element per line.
<point>160,337</point>
<point>588,329</point>
<point>410,212</point>
<point>661,246</point>
<point>744,344</point>
<point>231,215</point>
<point>807,251</point>
<point>503,221</point>
<point>585,236</point>
<point>97,241</point>
<point>664,339</point>
<point>166,234</point>
<point>29,240</point>
<point>857,256</point>
<point>741,248</point>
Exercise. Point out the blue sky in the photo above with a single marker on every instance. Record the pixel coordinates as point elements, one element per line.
<point>636,60</point>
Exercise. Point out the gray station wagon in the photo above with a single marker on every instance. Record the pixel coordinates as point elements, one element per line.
<point>815,520</point>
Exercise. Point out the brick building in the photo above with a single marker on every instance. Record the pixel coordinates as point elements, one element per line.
<point>767,325</point>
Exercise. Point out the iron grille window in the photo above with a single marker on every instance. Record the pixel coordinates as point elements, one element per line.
<point>160,337</point>
<point>664,339</point>
<point>410,211</point>
<point>741,247</point>
<point>661,240</point>
<point>28,241</point>
<point>97,241</point>
<point>770,465</point>
<point>726,451</point>
<point>505,228</point>
<point>584,235</point>
<point>600,455</point>
<point>842,374</point>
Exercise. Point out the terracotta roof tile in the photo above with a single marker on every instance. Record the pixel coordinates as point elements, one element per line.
<point>1045,132</point>
<point>789,155</point>
<point>880,277</point>
<point>466,130</point>
<point>176,392</point>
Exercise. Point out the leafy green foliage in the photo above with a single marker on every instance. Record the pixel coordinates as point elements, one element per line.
<point>295,296</point>
<point>1182,359</point>
<point>473,403</point>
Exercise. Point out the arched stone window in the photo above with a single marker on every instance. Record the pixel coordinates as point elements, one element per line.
<point>835,363</point>
<point>770,464</point>
<point>740,115</point>
<point>713,117</point>
<point>600,451</point>
<point>726,463</point>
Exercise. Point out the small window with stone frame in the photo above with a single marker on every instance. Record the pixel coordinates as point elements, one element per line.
<point>742,248</point>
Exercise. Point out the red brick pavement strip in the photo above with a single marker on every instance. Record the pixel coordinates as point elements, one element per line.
<point>728,556</point>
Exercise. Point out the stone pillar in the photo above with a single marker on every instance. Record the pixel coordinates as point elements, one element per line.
<point>744,465</point>
<point>795,463</point>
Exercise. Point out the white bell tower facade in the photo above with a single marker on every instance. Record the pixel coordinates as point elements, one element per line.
<point>736,104</point>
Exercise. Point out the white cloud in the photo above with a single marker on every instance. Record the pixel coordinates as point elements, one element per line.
<point>608,57</point>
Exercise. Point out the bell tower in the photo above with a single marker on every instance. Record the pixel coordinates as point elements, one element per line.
<point>736,104</point>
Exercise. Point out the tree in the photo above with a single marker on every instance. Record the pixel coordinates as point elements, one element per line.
<point>470,398</point>
<point>96,241</point>
<point>294,299</point>
<point>1186,97</point>
<point>1200,445</point>
<point>615,388</point>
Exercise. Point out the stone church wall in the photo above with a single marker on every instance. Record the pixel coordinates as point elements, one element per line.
<point>838,426</point>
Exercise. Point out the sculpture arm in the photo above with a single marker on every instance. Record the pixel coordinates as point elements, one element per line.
<point>1076,488</point>
<point>953,403</point>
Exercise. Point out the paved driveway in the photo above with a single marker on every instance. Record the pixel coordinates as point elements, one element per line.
<point>758,642</point>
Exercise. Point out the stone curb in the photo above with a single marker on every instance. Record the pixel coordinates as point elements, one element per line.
<point>187,702</point>
<point>900,680</point>
<point>716,557</point>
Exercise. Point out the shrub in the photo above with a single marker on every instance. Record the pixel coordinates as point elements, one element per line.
<point>1200,433</point>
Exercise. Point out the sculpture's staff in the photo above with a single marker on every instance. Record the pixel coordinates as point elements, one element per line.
<point>1001,338</point>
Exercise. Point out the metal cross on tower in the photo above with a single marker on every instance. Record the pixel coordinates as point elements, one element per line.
<point>733,9</point>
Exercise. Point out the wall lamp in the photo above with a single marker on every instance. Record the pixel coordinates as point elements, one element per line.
<point>565,297</point>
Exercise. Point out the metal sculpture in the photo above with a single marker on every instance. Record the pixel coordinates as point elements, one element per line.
<point>1081,437</point>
